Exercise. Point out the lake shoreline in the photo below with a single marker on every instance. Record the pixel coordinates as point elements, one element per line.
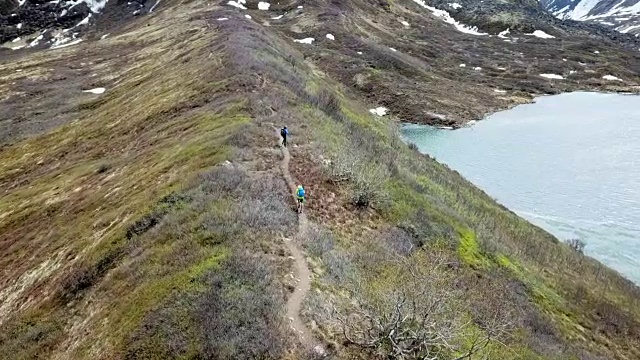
<point>537,159</point>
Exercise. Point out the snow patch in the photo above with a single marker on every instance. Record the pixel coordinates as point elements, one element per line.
<point>237,4</point>
<point>463,65</point>
<point>596,52</point>
<point>499,91</point>
<point>84,21</point>
<point>36,41</point>
<point>331,37</point>
<point>104,36</point>
<point>582,9</point>
<point>541,34</point>
<point>629,29</point>
<point>96,91</point>
<point>62,45</point>
<point>446,17</point>
<point>154,6</point>
<point>611,78</point>
<point>299,6</point>
<point>95,5</point>
<point>552,76</point>
<point>15,40</point>
<point>263,5</point>
<point>392,49</point>
<point>305,40</point>
<point>247,16</point>
<point>455,6</point>
<point>277,17</point>
<point>571,72</point>
<point>222,19</point>
<point>60,41</point>
<point>406,24</point>
<point>477,68</point>
<point>19,26</point>
<point>359,52</point>
<point>503,34</point>
<point>380,111</point>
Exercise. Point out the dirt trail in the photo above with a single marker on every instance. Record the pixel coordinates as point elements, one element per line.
<point>303,275</point>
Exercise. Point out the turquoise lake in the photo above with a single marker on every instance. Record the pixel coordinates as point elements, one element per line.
<point>568,163</point>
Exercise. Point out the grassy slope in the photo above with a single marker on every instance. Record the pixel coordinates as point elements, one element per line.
<point>119,248</point>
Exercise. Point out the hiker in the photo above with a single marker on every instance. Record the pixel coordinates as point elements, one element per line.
<point>284,132</point>
<point>300,197</point>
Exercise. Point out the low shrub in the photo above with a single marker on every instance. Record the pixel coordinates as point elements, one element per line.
<point>318,242</point>
<point>367,188</point>
<point>240,313</point>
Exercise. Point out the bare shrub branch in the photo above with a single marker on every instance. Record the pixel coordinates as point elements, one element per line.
<point>576,245</point>
<point>420,317</point>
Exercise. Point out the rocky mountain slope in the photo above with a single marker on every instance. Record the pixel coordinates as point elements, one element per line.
<point>621,15</point>
<point>145,214</point>
<point>36,23</point>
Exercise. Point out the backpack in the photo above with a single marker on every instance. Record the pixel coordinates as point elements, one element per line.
<point>300,192</point>
<point>283,132</point>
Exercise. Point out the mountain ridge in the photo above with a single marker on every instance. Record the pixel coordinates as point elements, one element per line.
<point>621,15</point>
<point>145,219</point>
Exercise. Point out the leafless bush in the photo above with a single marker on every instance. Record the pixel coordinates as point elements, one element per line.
<point>339,267</point>
<point>240,313</point>
<point>419,317</point>
<point>328,103</point>
<point>367,187</point>
<point>270,212</point>
<point>87,274</point>
<point>217,229</point>
<point>241,138</point>
<point>222,180</point>
<point>343,167</point>
<point>161,333</point>
<point>264,204</point>
<point>398,241</point>
<point>414,147</point>
<point>318,242</point>
<point>576,245</point>
<point>368,145</point>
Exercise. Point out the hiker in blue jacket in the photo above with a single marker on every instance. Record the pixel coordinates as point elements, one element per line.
<point>284,132</point>
<point>300,197</point>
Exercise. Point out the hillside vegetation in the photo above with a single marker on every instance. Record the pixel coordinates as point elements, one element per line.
<point>148,222</point>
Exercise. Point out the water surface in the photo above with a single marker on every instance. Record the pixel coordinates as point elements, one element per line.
<point>568,163</point>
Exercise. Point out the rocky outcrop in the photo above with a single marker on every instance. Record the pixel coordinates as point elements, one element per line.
<point>37,15</point>
<point>32,18</point>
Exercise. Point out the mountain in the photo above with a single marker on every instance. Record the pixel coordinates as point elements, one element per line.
<point>32,23</point>
<point>622,15</point>
<point>147,208</point>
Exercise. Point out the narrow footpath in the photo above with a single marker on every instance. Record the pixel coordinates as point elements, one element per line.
<point>303,275</point>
